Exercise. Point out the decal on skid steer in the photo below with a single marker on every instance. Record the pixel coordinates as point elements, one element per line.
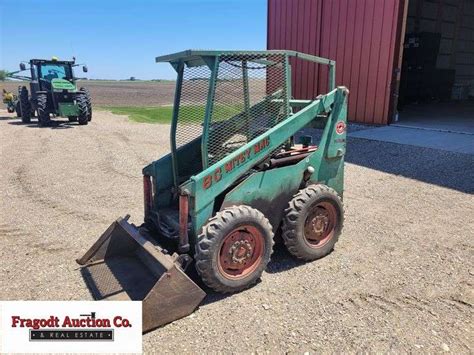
<point>340,127</point>
<point>234,163</point>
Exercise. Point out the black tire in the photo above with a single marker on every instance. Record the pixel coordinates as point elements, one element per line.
<point>82,118</point>
<point>41,109</point>
<point>313,222</point>
<point>89,102</point>
<point>72,118</point>
<point>240,234</point>
<point>18,109</point>
<point>25,104</point>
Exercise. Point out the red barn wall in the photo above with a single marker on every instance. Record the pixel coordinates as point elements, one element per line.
<point>361,35</point>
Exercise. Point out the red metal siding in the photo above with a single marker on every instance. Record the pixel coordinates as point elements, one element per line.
<point>359,34</point>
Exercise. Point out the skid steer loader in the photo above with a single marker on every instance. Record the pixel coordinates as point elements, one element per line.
<point>233,179</point>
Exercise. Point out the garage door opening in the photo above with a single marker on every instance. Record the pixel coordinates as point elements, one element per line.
<point>437,76</point>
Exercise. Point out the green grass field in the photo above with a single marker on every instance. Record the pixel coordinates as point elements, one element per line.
<point>163,114</point>
<point>160,114</point>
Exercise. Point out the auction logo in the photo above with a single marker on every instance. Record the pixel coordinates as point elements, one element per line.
<point>70,327</point>
<point>85,327</point>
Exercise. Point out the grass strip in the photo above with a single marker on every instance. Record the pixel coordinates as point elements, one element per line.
<point>163,114</point>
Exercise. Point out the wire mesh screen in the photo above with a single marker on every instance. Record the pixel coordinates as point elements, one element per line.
<point>250,98</point>
<point>192,106</point>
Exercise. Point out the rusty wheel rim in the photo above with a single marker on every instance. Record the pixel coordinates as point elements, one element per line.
<point>320,224</point>
<point>241,252</point>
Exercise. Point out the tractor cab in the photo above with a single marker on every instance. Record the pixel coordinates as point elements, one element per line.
<point>52,74</point>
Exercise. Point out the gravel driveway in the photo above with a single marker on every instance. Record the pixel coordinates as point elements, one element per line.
<point>400,278</point>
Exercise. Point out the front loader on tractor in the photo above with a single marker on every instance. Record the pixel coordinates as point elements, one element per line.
<point>233,180</point>
<point>53,91</point>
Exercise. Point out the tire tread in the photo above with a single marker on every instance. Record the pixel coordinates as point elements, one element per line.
<point>43,114</point>
<point>25,104</point>
<point>82,118</point>
<point>210,236</point>
<point>294,210</point>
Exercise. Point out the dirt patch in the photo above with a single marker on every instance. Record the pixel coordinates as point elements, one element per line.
<point>121,93</point>
<point>399,280</point>
<point>149,93</point>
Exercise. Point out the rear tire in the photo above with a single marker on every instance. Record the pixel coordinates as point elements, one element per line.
<point>25,104</point>
<point>41,109</point>
<point>234,248</point>
<point>82,118</point>
<point>18,109</point>
<point>313,222</point>
<point>89,102</point>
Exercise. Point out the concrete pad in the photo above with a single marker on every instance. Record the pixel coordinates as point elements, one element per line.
<point>457,117</point>
<point>453,142</point>
<point>454,126</point>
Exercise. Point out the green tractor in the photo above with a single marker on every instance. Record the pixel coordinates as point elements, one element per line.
<point>53,91</point>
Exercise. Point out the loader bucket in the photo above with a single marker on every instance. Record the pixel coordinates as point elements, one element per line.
<point>126,265</point>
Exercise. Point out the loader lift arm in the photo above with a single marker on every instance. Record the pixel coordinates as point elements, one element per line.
<point>198,184</point>
<point>269,141</point>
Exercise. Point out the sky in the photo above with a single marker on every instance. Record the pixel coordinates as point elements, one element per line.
<point>119,39</point>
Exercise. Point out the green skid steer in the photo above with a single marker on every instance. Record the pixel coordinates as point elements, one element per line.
<point>233,180</point>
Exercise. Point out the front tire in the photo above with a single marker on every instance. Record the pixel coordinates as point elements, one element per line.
<point>313,222</point>
<point>83,117</point>
<point>18,109</point>
<point>89,102</point>
<point>234,248</point>
<point>25,104</point>
<point>41,109</point>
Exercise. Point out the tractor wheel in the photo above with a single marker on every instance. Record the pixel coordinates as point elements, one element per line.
<point>82,118</point>
<point>234,248</point>
<point>89,102</point>
<point>313,222</point>
<point>18,109</point>
<point>42,110</point>
<point>25,104</point>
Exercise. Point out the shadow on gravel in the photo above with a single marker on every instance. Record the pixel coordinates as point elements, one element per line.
<point>433,166</point>
<point>8,118</point>
<point>281,261</point>
<point>212,296</point>
<point>55,124</point>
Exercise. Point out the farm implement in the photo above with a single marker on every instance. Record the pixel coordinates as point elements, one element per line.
<point>53,91</point>
<point>235,177</point>
<point>11,101</point>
